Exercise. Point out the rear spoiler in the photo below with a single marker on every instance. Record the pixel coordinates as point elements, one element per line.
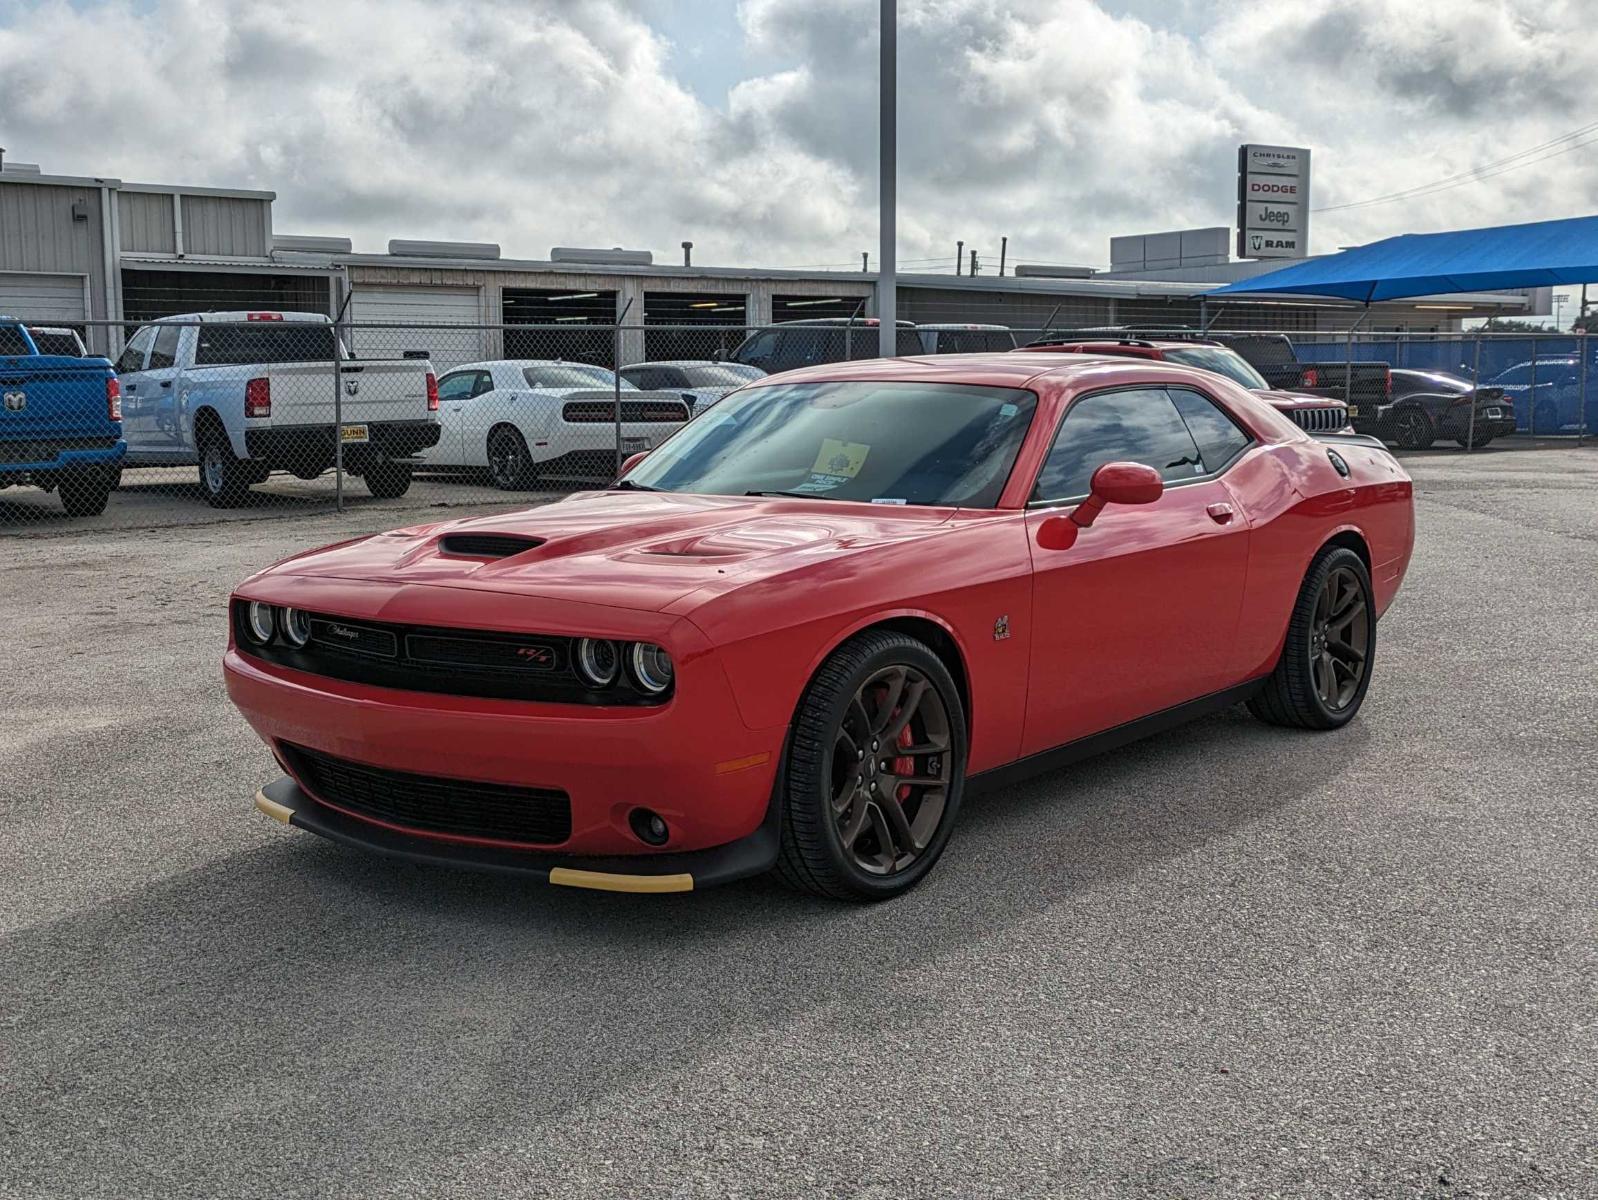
<point>1350,439</point>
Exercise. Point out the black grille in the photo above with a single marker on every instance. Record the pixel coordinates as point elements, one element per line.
<point>453,662</point>
<point>603,412</point>
<point>487,545</point>
<point>1321,420</point>
<point>430,804</point>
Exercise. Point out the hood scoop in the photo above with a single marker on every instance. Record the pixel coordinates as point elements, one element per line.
<point>487,545</point>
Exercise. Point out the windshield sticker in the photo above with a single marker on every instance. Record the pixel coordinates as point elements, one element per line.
<point>886,500</point>
<point>840,458</point>
<point>1008,410</point>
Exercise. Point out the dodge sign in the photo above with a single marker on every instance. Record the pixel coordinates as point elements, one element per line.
<point>1272,201</point>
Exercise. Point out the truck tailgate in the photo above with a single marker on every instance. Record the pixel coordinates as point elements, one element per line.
<point>50,396</point>
<point>302,393</point>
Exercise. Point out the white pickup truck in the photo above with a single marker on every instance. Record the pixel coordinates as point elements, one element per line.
<point>243,394</point>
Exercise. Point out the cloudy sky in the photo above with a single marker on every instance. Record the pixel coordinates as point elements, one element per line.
<point>749,126</point>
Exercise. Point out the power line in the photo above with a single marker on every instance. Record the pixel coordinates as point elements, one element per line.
<point>1500,166</point>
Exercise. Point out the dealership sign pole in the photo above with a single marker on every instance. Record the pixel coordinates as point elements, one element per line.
<point>887,167</point>
<point>1272,201</point>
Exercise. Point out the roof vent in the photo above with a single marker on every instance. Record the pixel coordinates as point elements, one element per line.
<point>16,168</point>
<point>1043,271</point>
<point>404,249</point>
<point>309,244</point>
<point>614,257</point>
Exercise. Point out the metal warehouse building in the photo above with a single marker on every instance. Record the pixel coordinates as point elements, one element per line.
<point>74,250</point>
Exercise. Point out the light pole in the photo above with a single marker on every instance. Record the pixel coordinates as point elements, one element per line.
<point>887,191</point>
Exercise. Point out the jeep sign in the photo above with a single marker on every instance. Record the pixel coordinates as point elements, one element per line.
<point>1272,201</point>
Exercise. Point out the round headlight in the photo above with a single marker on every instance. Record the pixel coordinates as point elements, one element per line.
<point>259,622</point>
<point>597,661</point>
<point>651,668</point>
<point>296,627</point>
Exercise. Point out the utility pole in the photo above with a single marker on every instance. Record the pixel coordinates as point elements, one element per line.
<point>887,181</point>
<point>959,256</point>
<point>1004,246</point>
<point>973,270</point>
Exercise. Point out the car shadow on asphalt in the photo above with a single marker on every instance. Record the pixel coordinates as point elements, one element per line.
<point>360,1000</point>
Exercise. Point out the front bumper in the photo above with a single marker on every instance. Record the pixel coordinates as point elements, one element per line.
<point>285,801</point>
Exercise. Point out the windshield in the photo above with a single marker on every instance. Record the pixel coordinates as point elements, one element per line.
<point>11,341</point>
<point>1222,362</point>
<point>572,375</point>
<point>892,443</point>
<point>717,376</point>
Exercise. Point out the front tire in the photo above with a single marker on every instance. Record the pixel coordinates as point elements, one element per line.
<point>875,771</point>
<point>510,466</point>
<point>1325,668</point>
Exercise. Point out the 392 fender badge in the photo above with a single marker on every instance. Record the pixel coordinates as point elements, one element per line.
<point>1001,628</point>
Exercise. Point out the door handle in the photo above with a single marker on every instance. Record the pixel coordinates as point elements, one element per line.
<point>1221,514</point>
<point>132,387</point>
<point>166,383</point>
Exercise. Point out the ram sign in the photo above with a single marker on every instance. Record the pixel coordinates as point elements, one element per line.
<point>1272,201</point>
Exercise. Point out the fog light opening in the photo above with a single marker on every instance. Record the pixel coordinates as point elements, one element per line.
<point>649,827</point>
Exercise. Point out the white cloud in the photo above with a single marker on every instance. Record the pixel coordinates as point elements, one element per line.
<point>552,122</point>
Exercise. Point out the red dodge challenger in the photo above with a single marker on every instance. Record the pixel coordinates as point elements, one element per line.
<point>800,632</point>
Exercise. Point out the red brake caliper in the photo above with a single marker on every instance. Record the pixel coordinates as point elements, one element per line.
<point>904,764</point>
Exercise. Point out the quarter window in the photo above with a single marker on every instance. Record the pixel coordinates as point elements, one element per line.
<point>1218,438</point>
<point>1138,425</point>
<point>165,351</point>
<point>133,353</point>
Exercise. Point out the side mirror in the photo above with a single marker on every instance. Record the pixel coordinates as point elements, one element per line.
<point>1113,483</point>
<point>631,463</point>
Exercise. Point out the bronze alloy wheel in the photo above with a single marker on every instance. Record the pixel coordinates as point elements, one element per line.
<point>890,767</point>
<point>1339,641</point>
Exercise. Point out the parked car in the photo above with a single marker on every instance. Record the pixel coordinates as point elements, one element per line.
<point>525,418</point>
<point>60,422</point>
<point>1427,405</point>
<point>806,343</point>
<point>965,339</point>
<point>59,340</point>
<point>247,393</point>
<point>1360,385</point>
<point>699,381</point>
<point>1547,394</point>
<point>797,634</point>
<point>1315,414</point>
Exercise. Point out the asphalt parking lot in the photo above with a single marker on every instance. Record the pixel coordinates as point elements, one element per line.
<point>1234,961</point>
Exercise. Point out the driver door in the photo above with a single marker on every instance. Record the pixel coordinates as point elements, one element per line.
<point>453,391</point>
<point>1140,614</point>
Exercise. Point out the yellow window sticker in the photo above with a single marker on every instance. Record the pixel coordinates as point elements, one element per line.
<point>840,458</point>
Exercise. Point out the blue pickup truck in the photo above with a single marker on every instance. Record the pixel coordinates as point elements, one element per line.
<point>60,422</point>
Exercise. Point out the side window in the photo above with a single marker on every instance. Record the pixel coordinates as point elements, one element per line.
<point>132,358</point>
<point>1136,425</point>
<point>165,351</point>
<point>1218,438</point>
<point>763,347</point>
<point>457,386</point>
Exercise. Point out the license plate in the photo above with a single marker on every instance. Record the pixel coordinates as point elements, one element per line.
<point>1493,413</point>
<point>636,444</point>
<point>1353,410</point>
<point>352,433</point>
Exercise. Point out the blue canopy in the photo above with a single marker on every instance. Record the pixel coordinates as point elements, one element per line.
<point>1539,254</point>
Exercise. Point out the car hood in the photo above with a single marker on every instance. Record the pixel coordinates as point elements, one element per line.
<point>636,550</point>
<point>1294,401</point>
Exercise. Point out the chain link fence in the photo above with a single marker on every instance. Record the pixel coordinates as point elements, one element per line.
<point>234,415</point>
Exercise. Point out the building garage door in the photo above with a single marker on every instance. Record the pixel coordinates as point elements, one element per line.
<point>418,307</point>
<point>45,299</point>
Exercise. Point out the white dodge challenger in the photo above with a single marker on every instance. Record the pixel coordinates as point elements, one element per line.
<point>523,418</point>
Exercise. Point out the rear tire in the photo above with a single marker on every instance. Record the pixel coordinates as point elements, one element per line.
<point>875,771</point>
<point>388,480</point>
<point>1413,430</point>
<point>1325,669</point>
<point>1465,443</point>
<point>224,479</point>
<point>510,466</point>
<point>84,492</point>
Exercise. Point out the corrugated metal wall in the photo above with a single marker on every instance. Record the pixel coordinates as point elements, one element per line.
<point>37,232</point>
<point>147,222</point>
<point>226,225</point>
